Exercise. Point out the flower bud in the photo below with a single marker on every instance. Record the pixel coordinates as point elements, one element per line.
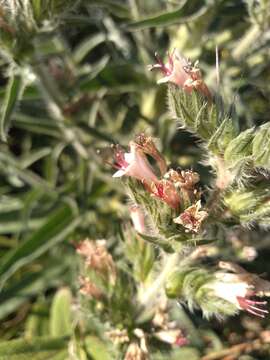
<point>90,289</point>
<point>98,259</point>
<point>118,336</point>
<point>183,179</point>
<point>137,218</point>
<point>148,146</point>
<point>174,284</point>
<point>134,352</point>
<point>166,191</point>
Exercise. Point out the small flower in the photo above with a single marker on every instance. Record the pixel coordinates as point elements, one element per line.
<point>192,218</point>
<point>90,289</point>
<point>118,336</point>
<point>148,146</point>
<point>137,218</point>
<point>166,191</point>
<point>172,336</point>
<point>97,258</point>
<point>183,179</point>
<point>181,72</point>
<point>134,164</point>
<point>134,352</point>
<point>237,291</point>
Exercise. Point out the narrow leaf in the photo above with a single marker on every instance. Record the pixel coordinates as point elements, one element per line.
<point>184,13</point>
<point>239,147</point>
<point>58,226</point>
<point>12,95</point>
<point>39,344</point>
<point>28,286</point>
<point>261,146</point>
<point>61,317</point>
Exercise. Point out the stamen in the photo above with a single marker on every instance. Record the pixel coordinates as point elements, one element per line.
<point>255,313</point>
<point>249,306</point>
<point>252,302</point>
<point>258,309</point>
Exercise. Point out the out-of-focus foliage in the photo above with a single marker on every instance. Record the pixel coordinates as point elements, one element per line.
<point>74,80</point>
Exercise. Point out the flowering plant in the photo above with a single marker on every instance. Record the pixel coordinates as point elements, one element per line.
<point>163,253</point>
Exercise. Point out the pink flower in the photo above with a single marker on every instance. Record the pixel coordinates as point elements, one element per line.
<point>166,191</point>
<point>134,164</point>
<point>137,218</point>
<point>181,72</point>
<point>192,218</point>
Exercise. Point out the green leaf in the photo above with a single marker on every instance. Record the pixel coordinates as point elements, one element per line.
<point>224,134</point>
<point>239,148</point>
<point>56,229</point>
<point>193,111</point>
<point>12,95</point>
<point>113,6</point>
<point>36,125</point>
<point>36,348</point>
<point>261,215</point>
<point>97,349</point>
<point>30,285</point>
<point>186,12</point>
<point>61,316</point>
<point>158,241</point>
<point>86,46</point>
<point>261,146</point>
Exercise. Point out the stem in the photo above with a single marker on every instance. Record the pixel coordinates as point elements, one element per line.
<point>150,295</point>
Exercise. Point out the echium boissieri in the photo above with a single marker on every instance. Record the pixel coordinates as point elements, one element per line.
<point>172,216</point>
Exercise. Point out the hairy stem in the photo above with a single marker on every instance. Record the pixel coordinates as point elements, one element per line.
<point>151,294</point>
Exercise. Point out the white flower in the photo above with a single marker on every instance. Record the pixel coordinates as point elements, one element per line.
<point>234,289</point>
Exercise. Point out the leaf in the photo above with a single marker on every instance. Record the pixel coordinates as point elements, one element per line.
<point>36,348</point>
<point>192,111</point>
<point>113,6</point>
<point>86,46</point>
<point>239,148</point>
<point>261,146</point>
<point>97,349</point>
<point>61,317</point>
<point>58,226</point>
<point>225,133</point>
<point>186,12</point>
<point>36,125</point>
<point>12,95</point>
<point>29,285</point>
<point>165,245</point>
